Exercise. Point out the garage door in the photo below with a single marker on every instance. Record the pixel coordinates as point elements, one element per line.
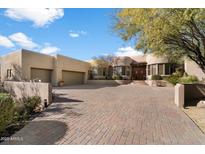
<point>41,74</point>
<point>72,78</point>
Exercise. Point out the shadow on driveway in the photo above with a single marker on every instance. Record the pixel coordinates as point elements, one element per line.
<point>87,86</point>
<point>60,99</point>
<point>38,133</point>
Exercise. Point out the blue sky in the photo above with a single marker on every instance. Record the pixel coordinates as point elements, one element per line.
<point>77,33</point>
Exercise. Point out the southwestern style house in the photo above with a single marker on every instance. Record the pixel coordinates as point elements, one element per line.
<point>136,68</point>
<point>26,65</point>
<point>32,66</point>
<point>142,68</point>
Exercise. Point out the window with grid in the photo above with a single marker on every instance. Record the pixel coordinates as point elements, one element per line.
<point>160,69</point>
<point>9,75</point>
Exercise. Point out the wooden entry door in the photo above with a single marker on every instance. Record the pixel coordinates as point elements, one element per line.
<point>139,72</point>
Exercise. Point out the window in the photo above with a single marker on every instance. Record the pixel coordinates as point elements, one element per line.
<point>95,71</point>
<point>104,71</point>
<point>148,69</point>
<point>127,70</point>
<point>154,69</point>
<point>9,75</point>
<point>160,69</point>
<point>167,69</point>
<point>123,70</point>
<point>100,71</point>
<point>118,70</point>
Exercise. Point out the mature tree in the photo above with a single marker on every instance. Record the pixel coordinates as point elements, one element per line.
<point>103,61</point>
<point>174,33</point>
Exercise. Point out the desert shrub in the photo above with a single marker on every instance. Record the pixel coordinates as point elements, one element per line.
<point>180,71</point>
<point>188,79</point>
<point>173,79</point>
<point>117,77</point>
<point>177,78</point>
<point>31,103</point>
<point>20,113</point>
<point>156,77</point>
<point>6,111</point>
<point>177,74</point>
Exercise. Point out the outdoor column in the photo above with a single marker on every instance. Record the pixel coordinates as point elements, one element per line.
<point>164,69</point>
<point>157,69</point>
<point>179,95</point>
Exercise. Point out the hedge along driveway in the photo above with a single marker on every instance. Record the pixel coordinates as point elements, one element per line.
<point>127,114</point>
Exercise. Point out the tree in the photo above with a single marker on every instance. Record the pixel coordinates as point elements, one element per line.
<point>174,33</point>
<point>103,61</point>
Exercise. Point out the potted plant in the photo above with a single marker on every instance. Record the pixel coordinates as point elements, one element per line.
<point>61,83</point>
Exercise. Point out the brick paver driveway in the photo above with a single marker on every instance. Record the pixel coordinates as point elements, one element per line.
<point>127,114</point>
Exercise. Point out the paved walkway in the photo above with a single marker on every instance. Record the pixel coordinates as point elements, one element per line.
<point>127,114</point>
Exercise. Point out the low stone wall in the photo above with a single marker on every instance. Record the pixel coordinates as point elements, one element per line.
<point>189,94</point>
<point>109,82</point>
<point>28,89</point>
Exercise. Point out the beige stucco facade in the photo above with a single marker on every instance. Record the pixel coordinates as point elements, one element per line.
<point>23,62</point>
<point>193,69</point>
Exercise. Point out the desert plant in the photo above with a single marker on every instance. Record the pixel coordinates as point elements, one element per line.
<point>188,79</point>
<point>173,79</point>
<point>31,103</point>
<point>117,77</point>
<point>20,113</point>
<point>156,77</point>
<point>6,111</point>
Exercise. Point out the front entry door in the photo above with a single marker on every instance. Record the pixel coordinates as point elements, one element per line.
<point>139,73</point>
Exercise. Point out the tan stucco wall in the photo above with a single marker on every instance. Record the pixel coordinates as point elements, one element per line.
<point>35,60</point>
<point>7,62</point>
<point>152,59</point>
<point>28,89</point>
<point>189,94</point>
<point>26,60</point>
<point>193,69</point>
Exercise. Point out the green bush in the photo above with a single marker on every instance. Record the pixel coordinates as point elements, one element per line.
<point>173,79</point>
<point>31,103</point>
<point>180,71</point>
<point>156,77</point>
<point>177,78</point>
<point>20,113</point>
<point>6,111</point>
<point>117,77</point>
<point>16,113</point>
<point>188,79</point>
<point>177,74</point>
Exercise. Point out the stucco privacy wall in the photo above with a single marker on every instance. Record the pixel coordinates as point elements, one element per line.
<point>193,69</point>
<point>7,62</point>
<point>189,94</point>
<point>63,63</point>
<point>28,89</point>
<point>193,93</point>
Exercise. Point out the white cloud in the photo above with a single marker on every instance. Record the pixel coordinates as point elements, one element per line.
<point>50,50</point>
<point>75,34</point>
<point>39,17</point>
<point>22,40</point>
<point>5,42</point>
<point>127,51</point>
